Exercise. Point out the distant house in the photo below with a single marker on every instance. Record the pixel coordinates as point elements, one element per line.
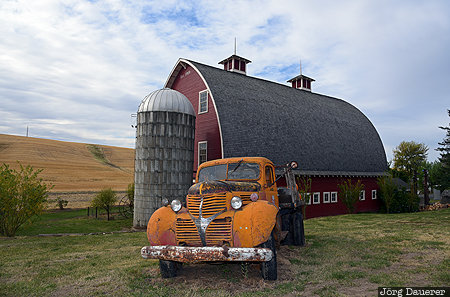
<point>239,115</point>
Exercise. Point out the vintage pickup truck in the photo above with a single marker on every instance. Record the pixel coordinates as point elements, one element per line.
<point>233,212</point>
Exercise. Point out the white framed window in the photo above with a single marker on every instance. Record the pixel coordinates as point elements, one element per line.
<point>307,197</point>
<point>202,152</point>
<point>203,102</point>
<point>316,198</point>
<point>362,195</point>
<point>333,197</point>
<point>326,197</point>
<point>374,194</point>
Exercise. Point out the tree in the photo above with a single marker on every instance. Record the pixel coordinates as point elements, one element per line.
<point>130,194</point>
<point>105,199</point>
<point>443,173</point>
<point>387,190</point>
<point>304,187</point>
<point>349,193</point>
<point>408,156</point>
<point>22,195</point>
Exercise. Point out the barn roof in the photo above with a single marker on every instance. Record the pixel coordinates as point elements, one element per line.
<point>263,118</point>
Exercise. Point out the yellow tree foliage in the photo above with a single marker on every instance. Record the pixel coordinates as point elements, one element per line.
<point>408,156</point>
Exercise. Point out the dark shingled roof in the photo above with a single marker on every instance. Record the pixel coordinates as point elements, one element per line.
<point>263,118</point>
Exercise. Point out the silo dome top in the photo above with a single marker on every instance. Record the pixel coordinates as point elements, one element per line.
<point>166,100</point>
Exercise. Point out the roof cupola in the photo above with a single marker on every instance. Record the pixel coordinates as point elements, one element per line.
<point>235,63</point>
<point>301,81</point>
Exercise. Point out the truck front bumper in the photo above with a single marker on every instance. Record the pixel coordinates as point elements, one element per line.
<point>206,254</point>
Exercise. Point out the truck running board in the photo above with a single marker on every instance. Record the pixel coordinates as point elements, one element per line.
<point>206,254</point>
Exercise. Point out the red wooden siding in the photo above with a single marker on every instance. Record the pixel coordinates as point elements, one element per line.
<point>329,184</point>
<point>242,66</point>
<point>189,83</point>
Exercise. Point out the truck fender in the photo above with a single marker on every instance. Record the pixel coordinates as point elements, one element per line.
<point>254,224</point>
<point>161,227</point>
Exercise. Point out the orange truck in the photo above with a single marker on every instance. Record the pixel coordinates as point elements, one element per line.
<point>234,212</point>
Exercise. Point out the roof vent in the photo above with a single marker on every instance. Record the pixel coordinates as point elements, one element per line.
<point>302,82</point>
<point>234,63</point>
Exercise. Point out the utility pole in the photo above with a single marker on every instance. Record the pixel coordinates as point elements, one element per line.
<point>27,130</point>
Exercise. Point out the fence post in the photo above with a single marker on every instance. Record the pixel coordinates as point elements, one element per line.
<point>96,212</point>
<point>88,210</point>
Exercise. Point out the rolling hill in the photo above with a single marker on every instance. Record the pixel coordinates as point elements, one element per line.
<point>70,166</point>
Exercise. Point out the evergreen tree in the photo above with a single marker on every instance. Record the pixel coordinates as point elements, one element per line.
<point>443,178</point>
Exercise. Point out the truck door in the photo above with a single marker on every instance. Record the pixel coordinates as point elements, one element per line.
<point>270,186</point>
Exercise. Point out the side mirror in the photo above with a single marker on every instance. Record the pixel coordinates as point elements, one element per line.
<point>293,164</point>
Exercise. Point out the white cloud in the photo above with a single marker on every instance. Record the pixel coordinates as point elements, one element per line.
<point>90,63</point>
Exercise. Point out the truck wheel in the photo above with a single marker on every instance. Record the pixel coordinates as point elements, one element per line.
<point>298,229</point>
<point>168,268</point>
<point>269,268</point>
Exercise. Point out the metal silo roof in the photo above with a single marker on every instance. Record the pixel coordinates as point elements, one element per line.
<point>166,100</point>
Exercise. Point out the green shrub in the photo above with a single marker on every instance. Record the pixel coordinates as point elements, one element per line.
<point>61,203</point>
<point>130,193</point>
<point>22,195</point>
<point>387,191</point>
<point>105,199</point>
<point>402,201</point>
<point>349,194</point>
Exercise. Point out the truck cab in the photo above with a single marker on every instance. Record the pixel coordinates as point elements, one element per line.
<point>231,213</point>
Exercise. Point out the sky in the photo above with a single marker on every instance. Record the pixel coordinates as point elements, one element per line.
<point>78,70</point>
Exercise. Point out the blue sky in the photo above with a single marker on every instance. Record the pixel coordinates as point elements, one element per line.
<point>77,70</point>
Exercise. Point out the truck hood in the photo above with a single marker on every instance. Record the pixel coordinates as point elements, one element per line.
<point>218,186</point>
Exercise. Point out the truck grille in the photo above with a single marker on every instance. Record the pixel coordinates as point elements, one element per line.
<point>212,204</point>
<point>187,233</point>
<point>219,232</point>
<point>245,199</point>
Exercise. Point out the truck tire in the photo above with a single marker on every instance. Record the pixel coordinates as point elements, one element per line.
<point>269,268</point>
<point>298,232</point>
<point>167,268</point>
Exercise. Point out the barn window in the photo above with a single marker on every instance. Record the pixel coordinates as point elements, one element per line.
<point>374,194</point>
<point>326,197</point>
<point>333,197</point>
<point>307,197</point>
<point>203,102</point>
<point>316,198</point>
<point>202,152</point>
<point>362,195</point>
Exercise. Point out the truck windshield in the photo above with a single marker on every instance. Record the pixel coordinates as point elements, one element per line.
<point>235,171</point>
<point>216,172</point>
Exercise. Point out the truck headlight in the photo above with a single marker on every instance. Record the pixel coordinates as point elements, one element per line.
<point>236,202</point>
<point>165,202</point>
<point>176,205</point>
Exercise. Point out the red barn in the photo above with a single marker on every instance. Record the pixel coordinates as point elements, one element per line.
<point>239,115</point>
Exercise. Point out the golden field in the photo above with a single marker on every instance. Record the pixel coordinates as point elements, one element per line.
<point>69,166</point>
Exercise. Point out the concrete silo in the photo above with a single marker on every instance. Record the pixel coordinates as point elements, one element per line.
<point>164,152</point>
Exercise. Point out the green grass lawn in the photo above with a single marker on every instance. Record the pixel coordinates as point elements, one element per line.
<point>75,221</point>
<point>349,255</point>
